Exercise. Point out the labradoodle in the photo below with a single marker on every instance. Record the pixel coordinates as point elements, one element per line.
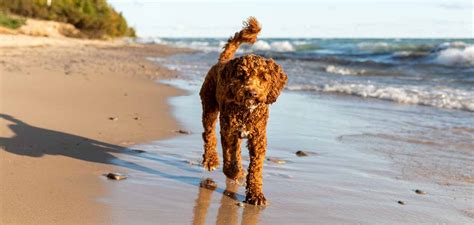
<point>239,91</point>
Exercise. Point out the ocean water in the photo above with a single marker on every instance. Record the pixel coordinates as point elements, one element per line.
<point>380,118</point>
<point>431,72</point>
<point>415,97</point>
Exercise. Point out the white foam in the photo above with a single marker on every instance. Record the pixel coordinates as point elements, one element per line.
<point>149,40</point>
<point>441,97</point>
<point>261,46</point>
<point>343,70</point>
<point>374,47</point>
<point>454,44</point>
<point>277,46</point>
<point>222,44</point>
<point>300,42</point>
<point>282,46</point>
<point>455,56</point>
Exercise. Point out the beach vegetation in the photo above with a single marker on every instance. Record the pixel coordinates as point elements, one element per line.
<point>94,18</point>
<point>8,21</point>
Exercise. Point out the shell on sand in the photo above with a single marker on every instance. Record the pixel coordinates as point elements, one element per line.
<point>420,192</point>
<point>277,161</point>
<point>116,176</point>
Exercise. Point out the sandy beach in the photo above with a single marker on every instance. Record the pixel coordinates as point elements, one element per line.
<point>72,110</point>
<point>67,106</point>
<point>101,117</point>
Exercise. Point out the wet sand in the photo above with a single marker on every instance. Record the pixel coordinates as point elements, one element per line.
<point>340,182</point>
<point>57,98</point>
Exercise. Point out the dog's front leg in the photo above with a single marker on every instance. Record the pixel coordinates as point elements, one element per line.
<point>257,145</point>
<point>231,152</point>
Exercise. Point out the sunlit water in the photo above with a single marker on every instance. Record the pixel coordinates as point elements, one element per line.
<point>366,155</point>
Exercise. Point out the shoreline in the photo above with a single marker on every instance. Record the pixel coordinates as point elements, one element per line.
<point>68,108</point>
<point>337,183</point>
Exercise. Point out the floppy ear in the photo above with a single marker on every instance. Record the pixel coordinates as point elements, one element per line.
<point>278,81</point>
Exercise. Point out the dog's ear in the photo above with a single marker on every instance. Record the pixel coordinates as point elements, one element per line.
<point>278,81</point>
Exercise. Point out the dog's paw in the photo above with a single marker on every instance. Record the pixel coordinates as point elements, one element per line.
<point>210,162</point>
<point>255,199</point>
<point>234,172</point>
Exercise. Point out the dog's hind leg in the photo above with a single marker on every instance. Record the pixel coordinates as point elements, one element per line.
<point>257,144</point>
<point>210,158</point>
<point>209,118</point>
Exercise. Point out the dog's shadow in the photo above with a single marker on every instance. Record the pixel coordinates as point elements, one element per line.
<point>229,206</point>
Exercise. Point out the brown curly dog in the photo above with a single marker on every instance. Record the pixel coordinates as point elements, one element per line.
<point>240,89</point>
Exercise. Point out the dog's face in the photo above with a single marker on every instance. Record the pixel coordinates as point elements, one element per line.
<point>254,80</point>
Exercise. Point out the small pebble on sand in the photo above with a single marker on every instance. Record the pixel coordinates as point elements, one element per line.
<point>420,192</point>
<point>240,204</point>
<point>401,202</point>
<point>116,176</point>
<point>301,153</point>
<point>136,118</point>
<point>113,118</point>
<point>183,132</point>
<point>138,151</point>
<point>277,161</point>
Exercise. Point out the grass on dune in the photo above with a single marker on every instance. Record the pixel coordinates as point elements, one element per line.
<point>7,21</point>
<point>94,18</point>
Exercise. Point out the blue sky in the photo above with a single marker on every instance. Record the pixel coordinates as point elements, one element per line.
<point>302,18</point>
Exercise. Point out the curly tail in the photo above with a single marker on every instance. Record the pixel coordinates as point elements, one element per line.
<point>248,34</point>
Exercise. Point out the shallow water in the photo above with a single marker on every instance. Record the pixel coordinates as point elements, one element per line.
<point>367,155</point>
<point>367,152</point>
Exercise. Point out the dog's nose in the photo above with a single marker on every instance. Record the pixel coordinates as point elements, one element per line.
<point>251,94</point>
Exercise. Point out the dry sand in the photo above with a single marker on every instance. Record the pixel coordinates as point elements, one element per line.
<point>57,96</point>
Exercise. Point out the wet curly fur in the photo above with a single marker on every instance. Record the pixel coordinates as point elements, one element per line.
<point>239,91</point>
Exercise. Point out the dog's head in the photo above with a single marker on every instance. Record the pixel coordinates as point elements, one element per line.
<point>253,80</point>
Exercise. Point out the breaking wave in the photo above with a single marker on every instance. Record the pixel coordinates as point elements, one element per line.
<point>344,71</point>
<point>276,46</point>
<point>456,57</point>
<point>384,47</point>
<point>440,97</point>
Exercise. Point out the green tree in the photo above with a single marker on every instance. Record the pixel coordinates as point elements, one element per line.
<point>95,18</point>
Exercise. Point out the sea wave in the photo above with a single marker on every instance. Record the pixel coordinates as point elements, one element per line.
<point>453,44</point>
<point>344,71</point>
<point>384,47</point>
<point>276,46</point>
<point>408,55</point>
<point>149,40</point>
<point>440,97</point>
<point>456,56</point>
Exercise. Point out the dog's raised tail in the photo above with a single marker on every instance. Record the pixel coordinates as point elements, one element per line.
<point>248,34</point>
